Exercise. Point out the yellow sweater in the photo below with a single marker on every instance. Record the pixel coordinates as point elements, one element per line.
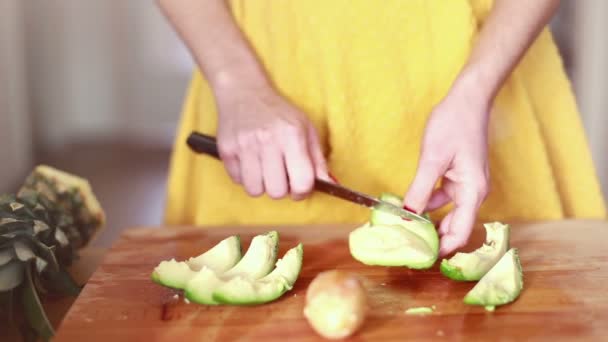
<point>368,73</point>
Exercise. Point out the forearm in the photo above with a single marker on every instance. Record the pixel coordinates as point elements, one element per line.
<point>215,41</point>
<point>508,32</point>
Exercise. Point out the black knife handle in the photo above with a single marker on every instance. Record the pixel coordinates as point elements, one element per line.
<point>206,144</point>
<point>202,143</point>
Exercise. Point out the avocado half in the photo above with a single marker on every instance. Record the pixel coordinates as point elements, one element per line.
<point>389,240</point>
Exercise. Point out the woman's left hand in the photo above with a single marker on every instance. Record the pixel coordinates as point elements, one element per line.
<point>454,149</point>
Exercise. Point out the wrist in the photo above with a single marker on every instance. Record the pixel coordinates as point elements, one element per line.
<point>229,85</point>
<point>477,90</point>
<point>229,79</point>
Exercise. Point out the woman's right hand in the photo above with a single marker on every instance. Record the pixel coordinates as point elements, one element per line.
<point>267,145</point>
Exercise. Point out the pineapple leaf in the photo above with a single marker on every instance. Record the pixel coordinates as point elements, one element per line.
<point>7,220</point>
<point>41,264</point>
<point>23,252</point>
<point>62,282</point>
<point>47,253</point>
<point>38,248</point>
<point>16,226</point>
<point>40,226</point>
<point>6,241</point>
<point>16,206</point>
<point>33,309</point>
<point>6,305</point>
<point>11,275</point>
<point>41,290</point>
<point>61,238</point>
<point>6,255</point>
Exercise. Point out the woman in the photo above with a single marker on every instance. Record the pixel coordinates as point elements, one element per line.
<point>428,96</point>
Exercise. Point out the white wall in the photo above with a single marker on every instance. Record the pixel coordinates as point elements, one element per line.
<point>103,70</point>
<point>15,136</point>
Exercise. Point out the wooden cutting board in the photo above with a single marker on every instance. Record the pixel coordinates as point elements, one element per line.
<point>565,293</point>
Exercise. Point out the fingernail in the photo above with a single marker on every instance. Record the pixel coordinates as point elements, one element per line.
<point>409,209</point>
<point>333,178</point>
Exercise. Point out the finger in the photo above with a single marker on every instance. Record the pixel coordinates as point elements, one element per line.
<point>273,170</point>
<point>427,175</point>
<point>333,178</point>
<point>444,227</point>
<point>233,168</point>
<point>298,163</point>
<point>316,152</point>
<point>438,199</point>
<point>460,227</point>
<point>251,172</point>
<point>231,164</point>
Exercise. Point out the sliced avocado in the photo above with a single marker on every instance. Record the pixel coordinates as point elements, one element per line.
<point>216,258</point>
<point>390,245</point>
<point>391,198</point>
<point>397,201</point>
<point>256,263</point>
<point>172,273</point>
<point>176,274</point>
<point>244,291</point>
<point>501,285</point>
<point>260,257</point>
<point>200,288</point>
<point>474,265</point>
<point>426,230</point>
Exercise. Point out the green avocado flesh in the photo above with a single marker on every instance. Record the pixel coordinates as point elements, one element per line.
<point>176,274</point>
<point>220,258</point>
<point>256,263</point>
<point>426,230</point>
<point>221,276</point>
<point>501,285</point>
<point>243,291</point>
<point>396,201</point>
<point>389,240</point>
<point>386,245</point>
<point>473,266</point>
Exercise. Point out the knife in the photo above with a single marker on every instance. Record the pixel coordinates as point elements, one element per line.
<point>201,143</point>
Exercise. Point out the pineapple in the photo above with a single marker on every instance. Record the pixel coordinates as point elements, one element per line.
<point>42,227</point>
<point>71,196</point>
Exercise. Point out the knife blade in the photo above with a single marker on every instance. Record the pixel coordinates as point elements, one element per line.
<point>205,144</point>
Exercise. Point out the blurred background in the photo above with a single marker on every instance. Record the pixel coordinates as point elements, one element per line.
<point>96,88</point>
